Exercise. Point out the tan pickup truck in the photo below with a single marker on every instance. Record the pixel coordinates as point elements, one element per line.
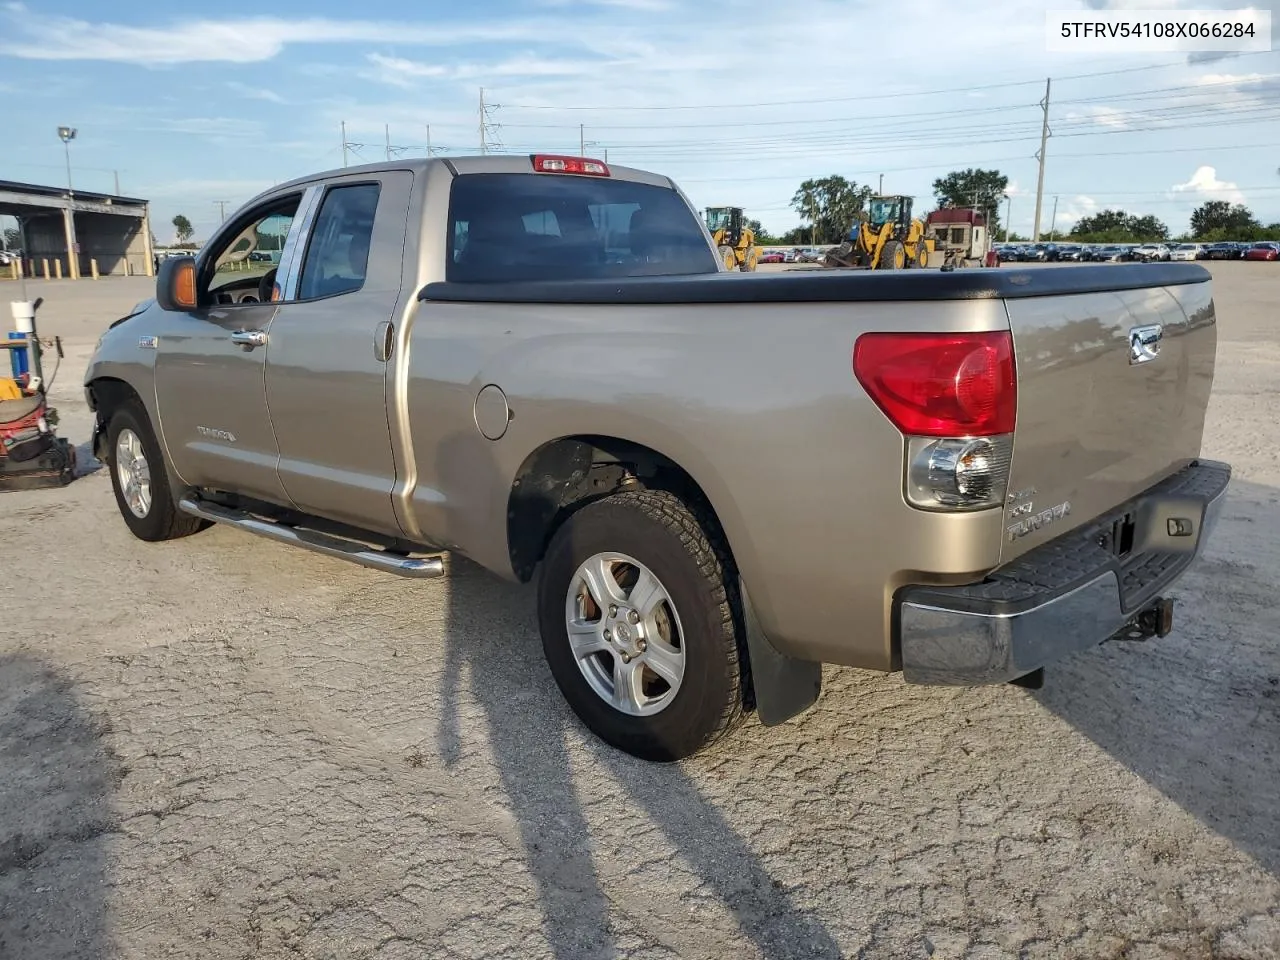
<point>722,480</point>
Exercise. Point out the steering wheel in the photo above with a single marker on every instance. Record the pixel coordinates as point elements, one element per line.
<point>265,285</point>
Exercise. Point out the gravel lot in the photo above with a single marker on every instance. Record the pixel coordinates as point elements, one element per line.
<point>225,748</point>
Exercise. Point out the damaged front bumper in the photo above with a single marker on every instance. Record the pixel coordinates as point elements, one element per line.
<point>1066,596</point>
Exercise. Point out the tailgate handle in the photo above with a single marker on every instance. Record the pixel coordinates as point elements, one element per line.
<point>1144,343</point>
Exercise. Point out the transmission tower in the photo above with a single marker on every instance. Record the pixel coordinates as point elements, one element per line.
<point>488,127</point>
<point>347,144</point>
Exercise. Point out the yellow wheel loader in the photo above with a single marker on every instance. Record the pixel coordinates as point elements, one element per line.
<point>887,237</point>
<point>733,238</point>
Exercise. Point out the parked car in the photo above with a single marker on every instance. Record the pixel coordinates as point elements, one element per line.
<point>1070,253</point>
<point>1188,251</point>
<point>772,256</point>
<point>1222,251</point>
<point>1110,254</point>
<point>651,435</point>
<point>1264,250</point>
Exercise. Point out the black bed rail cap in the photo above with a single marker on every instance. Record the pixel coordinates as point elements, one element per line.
<point>833,285</point>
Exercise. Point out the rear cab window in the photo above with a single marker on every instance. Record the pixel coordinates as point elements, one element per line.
<point>512,227</point>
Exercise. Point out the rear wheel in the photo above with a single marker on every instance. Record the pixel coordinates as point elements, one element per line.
<point>751,259</point>
<point>140,479</point>
<point>638,625</point>
<point>922,254</point>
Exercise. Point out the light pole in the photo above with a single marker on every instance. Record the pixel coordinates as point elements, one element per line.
<point>66,135</point>
<point>1008,214</point>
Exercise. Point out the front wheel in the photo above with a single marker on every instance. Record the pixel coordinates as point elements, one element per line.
<point>638,625</point>
<point>141,481</point>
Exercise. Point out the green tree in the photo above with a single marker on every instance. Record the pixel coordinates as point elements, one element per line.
<point>1218,216</point>
<point>829,207</point>
<point>1117,226</point>
<point>12,238</point>
<point>182,226</point>
<point>763,237</point>
<point>974,187</point>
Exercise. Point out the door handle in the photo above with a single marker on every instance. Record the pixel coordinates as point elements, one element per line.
<point>384,341</point>
<point>249,338</point>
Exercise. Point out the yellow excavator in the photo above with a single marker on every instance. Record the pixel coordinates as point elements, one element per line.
<point>733,238</point>
<point>886,237</point>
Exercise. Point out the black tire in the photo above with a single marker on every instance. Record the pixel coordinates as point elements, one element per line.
<point>688,555</point>
<point>889,255</point>
<point>162,519</point>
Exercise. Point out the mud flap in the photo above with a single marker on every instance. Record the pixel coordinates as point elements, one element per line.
<point>784,686</point>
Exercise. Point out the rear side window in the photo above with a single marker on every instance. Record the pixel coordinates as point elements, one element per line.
<point>520,227</point>
<point>338,254</point>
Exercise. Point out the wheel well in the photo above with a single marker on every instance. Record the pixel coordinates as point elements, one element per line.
<point>105,395</point>
<point>565,475</point>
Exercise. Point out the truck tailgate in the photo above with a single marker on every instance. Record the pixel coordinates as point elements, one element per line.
<point>1112,392</point>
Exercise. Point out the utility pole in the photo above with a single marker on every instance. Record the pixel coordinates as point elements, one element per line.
<point>222,209</point>
<point>1008,215</point>
<point>344,143</point>
<point>881,190</point>
<point>1054,219</point>
<point>117,173</point>
<point>582,140</point>
<point>1044,138</point>
<point>386,128</point>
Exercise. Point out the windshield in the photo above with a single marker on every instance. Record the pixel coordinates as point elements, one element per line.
<point>882,211</point>
<point>522,227</point>
<point>717,218</point>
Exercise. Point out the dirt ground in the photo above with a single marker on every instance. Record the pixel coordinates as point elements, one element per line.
<point>224,748</point>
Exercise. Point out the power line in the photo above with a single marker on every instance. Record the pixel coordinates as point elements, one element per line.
<point>983,160</point>
<point>870,96</point>
<point>1205,89</point>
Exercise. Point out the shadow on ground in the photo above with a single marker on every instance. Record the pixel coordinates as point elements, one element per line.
<point>659,802</point>
<point>1197,714</point>
<point>56,790</point>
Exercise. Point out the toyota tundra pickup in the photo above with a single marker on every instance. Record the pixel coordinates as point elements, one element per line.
<point>722,480</point>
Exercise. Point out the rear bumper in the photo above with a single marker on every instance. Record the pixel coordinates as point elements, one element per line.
<point>1063,597</point>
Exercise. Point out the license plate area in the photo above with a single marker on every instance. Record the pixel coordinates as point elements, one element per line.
<point>1117,539</point>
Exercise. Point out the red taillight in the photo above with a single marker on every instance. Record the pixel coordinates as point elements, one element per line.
<point>545,163</point>
<point>940,385</point>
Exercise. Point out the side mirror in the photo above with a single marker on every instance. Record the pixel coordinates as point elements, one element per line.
<point>176,284</point>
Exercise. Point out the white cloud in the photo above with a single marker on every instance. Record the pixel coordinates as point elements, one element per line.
<point>1204,184</point>
<point>238,41</point>
<point>1074,209</point>
<point>254,93</point>
<point>399,72</point>
<point>647,6</point>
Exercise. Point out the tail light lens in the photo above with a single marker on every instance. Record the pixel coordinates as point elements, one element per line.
<point>955,398</point>
<point>581,165</point>
<point>940,385</point>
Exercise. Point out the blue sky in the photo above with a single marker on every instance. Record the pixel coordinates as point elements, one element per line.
<point>738,104</point>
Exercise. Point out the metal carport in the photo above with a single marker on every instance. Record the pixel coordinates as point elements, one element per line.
<point>77,233</point>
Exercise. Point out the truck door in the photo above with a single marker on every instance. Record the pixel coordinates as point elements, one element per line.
<point>210,361</point>
<point>327,361</point>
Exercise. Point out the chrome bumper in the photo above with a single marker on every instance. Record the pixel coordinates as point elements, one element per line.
<point>1063,597</point>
